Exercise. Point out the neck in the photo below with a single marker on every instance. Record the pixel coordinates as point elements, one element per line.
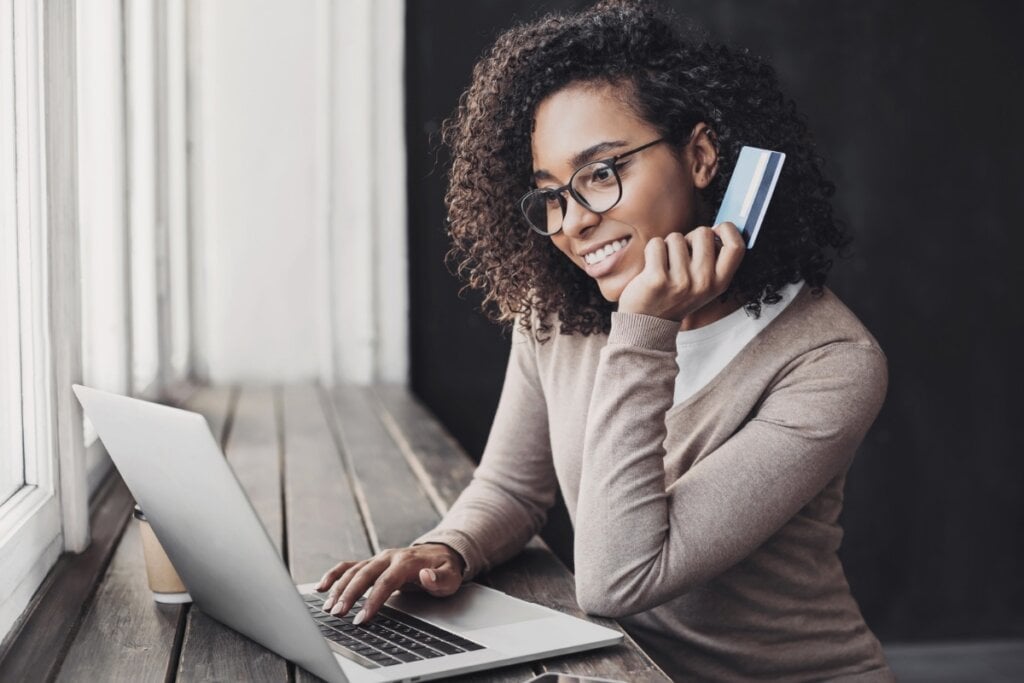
<point>716,310</point>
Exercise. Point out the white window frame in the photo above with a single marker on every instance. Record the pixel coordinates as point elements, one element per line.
<point>50,513</point>
<point>10,347</point>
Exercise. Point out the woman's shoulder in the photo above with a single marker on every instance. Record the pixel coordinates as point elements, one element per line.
<point>818,318</point>
<point>818,339</point>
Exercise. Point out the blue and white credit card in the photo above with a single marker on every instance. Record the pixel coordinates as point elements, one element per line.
<point>750,188</point>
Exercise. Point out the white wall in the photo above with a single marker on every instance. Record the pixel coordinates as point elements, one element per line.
<point>259,301</point>
<point>297,190</point>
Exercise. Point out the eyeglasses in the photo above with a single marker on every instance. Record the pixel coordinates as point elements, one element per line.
<point>595,186</point>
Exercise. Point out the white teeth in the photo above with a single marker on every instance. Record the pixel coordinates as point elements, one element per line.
<point>604,252</point>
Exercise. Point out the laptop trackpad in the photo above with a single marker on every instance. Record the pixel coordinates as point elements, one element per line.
<point>471,608</point>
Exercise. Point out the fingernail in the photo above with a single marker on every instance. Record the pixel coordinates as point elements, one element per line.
<point>327,604</point>
<point>359,617</point>
<point>432,575</point>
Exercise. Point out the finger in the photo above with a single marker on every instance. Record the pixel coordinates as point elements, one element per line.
<point>340,583</point>
<point>332,575</point>
<point>678,257</point>
<point>702,257</point>
<point>730,255</point>
<point>656,256</point>
<point>363,579</point>
<point>386,584</point>
<point>440,581</point>
<point>355,583</point>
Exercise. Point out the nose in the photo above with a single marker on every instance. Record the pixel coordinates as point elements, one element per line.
<point>578,218</point>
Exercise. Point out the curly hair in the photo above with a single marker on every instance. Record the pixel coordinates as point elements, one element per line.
<point>672,84</point>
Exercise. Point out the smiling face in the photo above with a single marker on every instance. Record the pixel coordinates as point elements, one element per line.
<point>659,184</point>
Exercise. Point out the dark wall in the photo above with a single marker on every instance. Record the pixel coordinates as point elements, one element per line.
<point>917,109</point>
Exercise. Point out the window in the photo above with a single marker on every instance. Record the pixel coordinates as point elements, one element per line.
<point>92,234</point>
<point>12,460</point>
<point>33,530</point>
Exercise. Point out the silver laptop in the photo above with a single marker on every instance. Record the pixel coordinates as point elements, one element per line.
<point>177,473</point>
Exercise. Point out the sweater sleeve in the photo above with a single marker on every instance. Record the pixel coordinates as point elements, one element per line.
<point>641,541</point>
<point>507,501</point>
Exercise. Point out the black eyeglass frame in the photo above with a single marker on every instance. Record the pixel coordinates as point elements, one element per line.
<point>610,162</point>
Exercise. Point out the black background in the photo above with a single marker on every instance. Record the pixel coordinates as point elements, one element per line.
<point>917,109</point>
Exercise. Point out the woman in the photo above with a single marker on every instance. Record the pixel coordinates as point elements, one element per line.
<point>697,405</point>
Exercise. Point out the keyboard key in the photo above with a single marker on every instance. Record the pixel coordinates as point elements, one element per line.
<point>446,648</point>
<point>407,656</point>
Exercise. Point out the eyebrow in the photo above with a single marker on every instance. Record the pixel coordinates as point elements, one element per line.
<point>583,157</point>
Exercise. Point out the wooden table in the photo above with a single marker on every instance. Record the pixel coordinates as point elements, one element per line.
<point>333,475</point>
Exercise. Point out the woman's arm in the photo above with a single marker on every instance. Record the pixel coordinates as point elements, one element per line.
<point>639,544</point>
<point>512,489</point>
<point>500,510</point>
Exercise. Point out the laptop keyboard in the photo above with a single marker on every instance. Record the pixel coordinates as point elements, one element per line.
<point>390,638</point>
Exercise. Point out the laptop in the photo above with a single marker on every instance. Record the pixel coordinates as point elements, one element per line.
<point>202,517</point>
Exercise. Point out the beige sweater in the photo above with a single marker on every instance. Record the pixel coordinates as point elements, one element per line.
<point>710,528</point>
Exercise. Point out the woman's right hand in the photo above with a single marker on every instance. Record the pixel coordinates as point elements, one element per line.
<point>432,567</point>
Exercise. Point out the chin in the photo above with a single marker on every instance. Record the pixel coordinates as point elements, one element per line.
<point>615,283</point>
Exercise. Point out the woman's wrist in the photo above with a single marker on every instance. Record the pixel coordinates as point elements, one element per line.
<point>457,560</point>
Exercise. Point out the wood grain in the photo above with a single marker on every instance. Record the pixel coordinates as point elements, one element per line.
<point>396,507</point>
<point>125,636</point>
<point>447,468</point>
<point>324,524</point>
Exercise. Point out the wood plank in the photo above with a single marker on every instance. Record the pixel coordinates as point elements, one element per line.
<point>395,506</point>
<point>125,636</point>
<point>536,575</point>
<point>447,468</point>
<point>253,450</point>
<point>33,651</point>
<point>211,651</point>
<point>324,523</point>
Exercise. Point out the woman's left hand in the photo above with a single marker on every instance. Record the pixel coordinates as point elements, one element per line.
<point>682,273</point>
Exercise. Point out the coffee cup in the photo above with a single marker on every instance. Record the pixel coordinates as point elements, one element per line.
<point>163,580</point>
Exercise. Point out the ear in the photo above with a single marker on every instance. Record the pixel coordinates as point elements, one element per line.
<point>703,155</point>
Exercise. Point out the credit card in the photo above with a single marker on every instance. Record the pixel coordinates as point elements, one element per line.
<point>750,188</point>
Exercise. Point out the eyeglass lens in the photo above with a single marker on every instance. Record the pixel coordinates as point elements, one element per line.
<point>596,186</point>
